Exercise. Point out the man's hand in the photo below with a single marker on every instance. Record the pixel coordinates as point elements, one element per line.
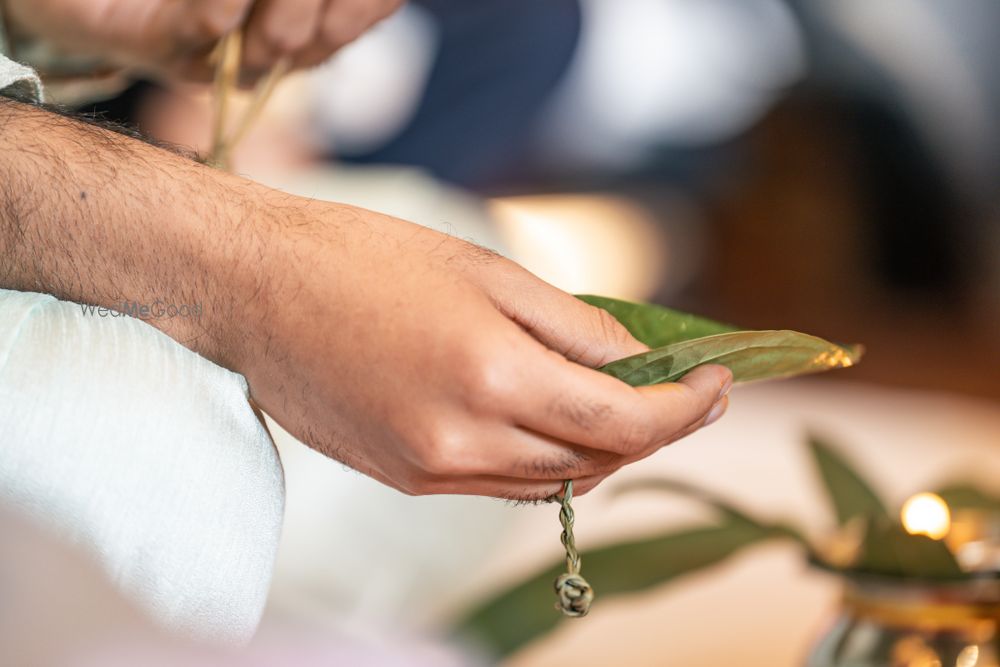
<point>175,37</point>
<point>437,366</point>
<point>426,362</point>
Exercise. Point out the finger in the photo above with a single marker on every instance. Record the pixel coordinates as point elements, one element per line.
<point>343,21</point>
<point>515,452</point>
<point>569,402</point>
<point>522,454</point>
<point>199,24</point>
<point>183,34</point>
<point>419,483</point>
<point>708,419</point>
<point>278,28</point>
<point>576,330</point>
<point>518,490</point>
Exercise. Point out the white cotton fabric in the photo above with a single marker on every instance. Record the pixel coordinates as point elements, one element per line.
<point>147,455</point>
<point>20,79</point>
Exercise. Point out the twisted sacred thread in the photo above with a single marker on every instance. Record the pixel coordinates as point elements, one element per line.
<point>228,56</point>
<point>573,591</point>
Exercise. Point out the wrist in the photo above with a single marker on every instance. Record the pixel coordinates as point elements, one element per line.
<point>226,242</point>
<point>250,270</point>
<point>94,217</point>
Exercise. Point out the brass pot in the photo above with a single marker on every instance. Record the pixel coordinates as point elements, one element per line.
<point>904,623</point>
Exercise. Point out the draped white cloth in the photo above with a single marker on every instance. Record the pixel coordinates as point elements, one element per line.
<point>145,454</point>
<point>18,78</point>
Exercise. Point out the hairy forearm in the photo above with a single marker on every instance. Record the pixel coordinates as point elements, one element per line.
<point>91,216</point>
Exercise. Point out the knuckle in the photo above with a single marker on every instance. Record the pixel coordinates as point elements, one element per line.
<point>634,437</point>
<point>585,414</point>
<point>580,351</point>
<point>606,463</point>
<point>605,341</point>
<point>610,329</point>
<point>485,378</point>
<point>441,451</point>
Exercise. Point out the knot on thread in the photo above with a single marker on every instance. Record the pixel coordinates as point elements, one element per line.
<point>573,591</point>
<point>575,594</point>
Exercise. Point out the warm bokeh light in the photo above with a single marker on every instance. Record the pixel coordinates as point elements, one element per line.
<point>968,657</point>
<point>586,243</point>
<point>914,651</point>
<point>926,514</point>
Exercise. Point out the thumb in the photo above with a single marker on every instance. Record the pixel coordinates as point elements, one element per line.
<point>578,331</point>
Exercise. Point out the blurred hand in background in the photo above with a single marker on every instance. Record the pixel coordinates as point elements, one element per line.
<point>174,38</point>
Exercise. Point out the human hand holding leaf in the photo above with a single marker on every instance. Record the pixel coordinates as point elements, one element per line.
<point>681,342</point>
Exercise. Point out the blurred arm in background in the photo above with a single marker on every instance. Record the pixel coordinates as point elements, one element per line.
<point>175,38</point>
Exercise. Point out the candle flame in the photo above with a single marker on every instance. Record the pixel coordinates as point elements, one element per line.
<point>926,514</point>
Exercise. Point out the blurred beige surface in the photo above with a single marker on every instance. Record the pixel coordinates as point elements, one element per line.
<point>763,607</point>
<point>146,456</point>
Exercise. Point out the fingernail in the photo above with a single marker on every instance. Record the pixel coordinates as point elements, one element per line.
<point>725,389</point>
<point>715,413</point>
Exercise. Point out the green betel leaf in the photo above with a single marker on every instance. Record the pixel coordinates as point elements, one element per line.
<point>968,497</point>
<point>888,550</point>
<point>682,342</point>
<point>849,493</point>
<point>750,355</point>
<point>721,505</point>
<point>654,325</point>
<point>524,612</point>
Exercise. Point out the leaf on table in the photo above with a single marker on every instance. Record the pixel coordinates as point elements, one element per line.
<point>849,493</point>
<point>654,325</point>
<point>888,550</point>
<point>682,342</point>
<point>524,612</point>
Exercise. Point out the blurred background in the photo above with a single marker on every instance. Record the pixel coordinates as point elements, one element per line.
<point>822,165</point>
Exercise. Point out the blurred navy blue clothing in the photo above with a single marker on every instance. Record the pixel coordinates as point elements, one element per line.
<point>497,64</point>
